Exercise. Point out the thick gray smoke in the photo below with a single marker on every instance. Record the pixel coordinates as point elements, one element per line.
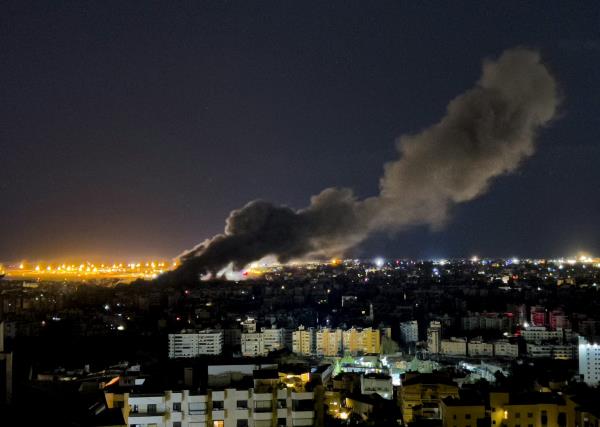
<point>486,132</point>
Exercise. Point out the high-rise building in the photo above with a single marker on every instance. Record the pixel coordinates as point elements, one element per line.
<point>195,343</point>
<point>261,343</point>
<point>589,361</point>
<point>252,344</point>
<point>329,342</point>
<point>273,338</point>
<point>364,341</point>
<point>304,341</point>
<point>434,337</point>
<point>409,332</point>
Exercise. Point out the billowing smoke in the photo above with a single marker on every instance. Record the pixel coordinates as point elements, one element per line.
<point>486,132</point>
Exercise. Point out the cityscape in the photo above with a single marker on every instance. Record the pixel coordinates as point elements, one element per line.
<point>225,213</point>
<point>320,343</point>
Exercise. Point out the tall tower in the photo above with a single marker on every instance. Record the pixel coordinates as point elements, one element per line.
<point>434,337</point>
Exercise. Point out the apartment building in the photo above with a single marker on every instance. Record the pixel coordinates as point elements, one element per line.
<point>589,361</point>
<point>304,341</point>
<point>409,332</point>
<point>269,403</point>
<point>195,343</point>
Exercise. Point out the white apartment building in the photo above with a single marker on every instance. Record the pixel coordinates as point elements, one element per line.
<point>551,351</point>
<point>274,339</point>
<point>454,347</point>
<point>478,348</point>
<point>538,334</point>
<point>434,337</point>
<point>253,344</point>
<point>589,362</point>
<point>226,408</point>
<point>377,383</point>
<point>261,343</point>
<point>409,332</point>
<point>503,348</point>
<point>195,343</point>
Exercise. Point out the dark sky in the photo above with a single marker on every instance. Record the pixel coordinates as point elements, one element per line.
<point>131,129</point>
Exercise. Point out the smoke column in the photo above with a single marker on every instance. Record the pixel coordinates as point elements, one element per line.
<point>486,132</point>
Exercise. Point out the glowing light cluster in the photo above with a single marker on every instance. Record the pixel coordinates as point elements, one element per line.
<point>89,270</point>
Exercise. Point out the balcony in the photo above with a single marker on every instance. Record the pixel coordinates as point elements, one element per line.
<point>241,413</point>
<point>302,414</point>
<point>260,416</point>
<point>145,418</point>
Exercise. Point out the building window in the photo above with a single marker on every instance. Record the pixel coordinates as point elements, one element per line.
<point>454,416</point>
<point>176,423</point>
<point>302,405</point>
<point>467,416</point>
<point>177,406</point>
<point>242,404</point>
<point>218,405</point>
<point>242,423</point>
<point>281,422</point>
<point>218,423</point>
<point>529,414</point>
<point>152,408</point>
<point>281,403</point>
<point>517,415</point>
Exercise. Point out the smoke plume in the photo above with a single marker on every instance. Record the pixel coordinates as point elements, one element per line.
<point>486,132</point>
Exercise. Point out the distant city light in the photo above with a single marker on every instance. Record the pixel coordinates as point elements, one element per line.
<point>379,262</point>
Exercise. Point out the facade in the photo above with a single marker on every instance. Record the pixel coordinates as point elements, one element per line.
<point>456,413</point>
<point>334,342</point>
<point>434,337</point>
<point>478,348</point>
<point>534,409</point>
<point>361,341</point>
<point>273,339</point>
<point>454,347</point>
<point>252,344</point>
<point>377,383</point>
<point>261,343</point>
<point>539,334</point>
<point>409,332</point>
<point>558,320</point>
<point>503,348</point>
<point>226,408</point>
<point>195,343</point>
<point>551,351</point>
<point>589,362</point>
<point>304,341</point>
<point>329,342</point>
<point>537,316</point>
<point>420,396</point>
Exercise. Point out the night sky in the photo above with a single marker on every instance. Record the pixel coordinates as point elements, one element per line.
<point>131,129</point>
